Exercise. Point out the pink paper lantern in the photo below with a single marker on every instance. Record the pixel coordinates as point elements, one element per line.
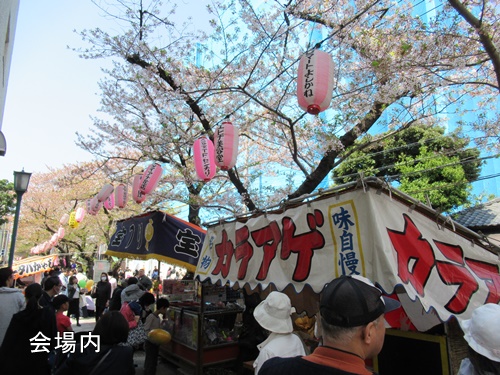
<point>95,206</point>
<point>109,203</point>
<point>80,214</point>
<point>121,195</point>
<point>46,246</point>
<point>136,192</point>
<point>60,233</point>
<point>315,81</point>
<point>150,178</point>
<point>204,159</point>
<point>226,140</point>
<point>64,219</point>
<point>88,206</point>
<point>105,192</point>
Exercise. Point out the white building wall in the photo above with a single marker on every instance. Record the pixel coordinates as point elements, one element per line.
<point>8,19</point>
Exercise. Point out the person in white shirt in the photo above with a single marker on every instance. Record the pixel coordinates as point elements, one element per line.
<point>64,277</point>
<point>11,300</point>
<point>273,314</point>
<point>112,281</point>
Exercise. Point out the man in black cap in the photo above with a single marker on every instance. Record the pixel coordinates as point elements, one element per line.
<point>353,329</point>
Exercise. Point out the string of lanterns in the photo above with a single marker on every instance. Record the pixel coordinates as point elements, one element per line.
<point>314,94</point>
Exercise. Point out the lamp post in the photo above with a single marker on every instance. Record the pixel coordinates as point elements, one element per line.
<point>21,181</point>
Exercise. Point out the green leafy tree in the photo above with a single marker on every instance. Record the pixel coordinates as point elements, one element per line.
<point>7,200</point>
<point>422,161</point>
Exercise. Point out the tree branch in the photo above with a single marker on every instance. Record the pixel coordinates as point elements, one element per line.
<point>327,162</point>
<point>484,36</point>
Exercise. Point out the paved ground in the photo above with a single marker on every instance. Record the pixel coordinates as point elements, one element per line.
<point>164,368</point>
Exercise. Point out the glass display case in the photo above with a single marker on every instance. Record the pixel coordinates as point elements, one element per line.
<point>205,329</point>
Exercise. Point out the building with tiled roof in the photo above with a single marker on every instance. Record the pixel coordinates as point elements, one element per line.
<point>484,219</point>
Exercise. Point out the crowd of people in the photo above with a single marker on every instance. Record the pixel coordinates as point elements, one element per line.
<point>350,329</point>
<point>34,321</point>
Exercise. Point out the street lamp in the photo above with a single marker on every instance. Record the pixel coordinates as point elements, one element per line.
<point>21,181</point>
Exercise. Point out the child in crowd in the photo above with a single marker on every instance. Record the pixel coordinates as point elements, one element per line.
<point>61,305</point>
<point>153,321</point>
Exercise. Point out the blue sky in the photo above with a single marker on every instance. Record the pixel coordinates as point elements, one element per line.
<point>52,92</point>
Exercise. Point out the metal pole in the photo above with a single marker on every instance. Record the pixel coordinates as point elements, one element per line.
<point>159,280</point>
<point>14,229</point>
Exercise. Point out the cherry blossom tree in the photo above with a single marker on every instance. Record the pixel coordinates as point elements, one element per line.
<point>58,192</point>
<point>396,64</point>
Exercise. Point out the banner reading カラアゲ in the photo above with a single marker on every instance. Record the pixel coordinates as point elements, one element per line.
<point>356,232</point>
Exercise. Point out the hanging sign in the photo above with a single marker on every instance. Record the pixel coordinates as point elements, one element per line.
<point>157,235</point>
<point>356,232</point>
<point>32,265</point>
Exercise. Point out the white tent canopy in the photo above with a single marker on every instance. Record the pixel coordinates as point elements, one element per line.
<point>438,268</point>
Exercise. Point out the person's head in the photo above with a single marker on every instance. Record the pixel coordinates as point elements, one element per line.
<point>61,302</point>
<point>6,277</point>
<point>52,286</point>
<point>162,304</point>
<point>147,299</point>
<point>352,315</point>
<point>482,333</point>
<point>273,314</point>
<point>132,280</point>
<point>73,280</point>
<point>111,274</point>
<point>104,276</point>
<point>112,328</point>
<point>32,294</point>
<point>141,272</point>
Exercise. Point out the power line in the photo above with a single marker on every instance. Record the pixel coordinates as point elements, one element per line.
<point>451,184</point>
<point>403,147</point>
<point>413,161</point>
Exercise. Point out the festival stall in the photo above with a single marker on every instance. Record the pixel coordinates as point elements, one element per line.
<point>164,237</point>
<point>439,270</point>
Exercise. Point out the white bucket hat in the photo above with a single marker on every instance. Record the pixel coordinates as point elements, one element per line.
<point>482,331</point>
<point>274,313</point>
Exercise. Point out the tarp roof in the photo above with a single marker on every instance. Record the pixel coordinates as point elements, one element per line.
<point>157,235</point>
<point>438,268</point>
